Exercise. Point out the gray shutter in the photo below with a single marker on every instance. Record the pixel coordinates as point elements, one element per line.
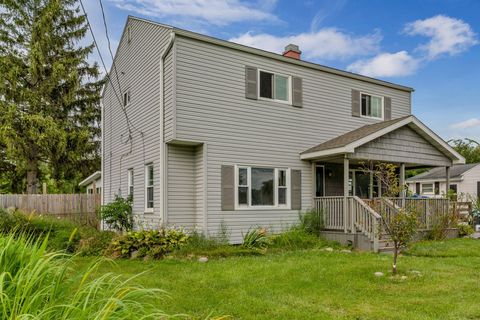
<point>355,103</point>
<point>251,79</point>
<point>296,189</point>
<point>228,188</point>
<point>478,189</point>
<point>297,92</point>
<point>388,108</point>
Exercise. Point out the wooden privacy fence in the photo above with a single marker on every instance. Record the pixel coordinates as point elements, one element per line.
<point>80,208</point>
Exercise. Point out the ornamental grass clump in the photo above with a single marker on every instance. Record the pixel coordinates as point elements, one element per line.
<point>256,238</point>
<point>36,284</point>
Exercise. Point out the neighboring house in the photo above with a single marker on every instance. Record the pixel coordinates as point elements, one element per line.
<point>464,179</point>
<point>218,132</point>
<point>93,183</point>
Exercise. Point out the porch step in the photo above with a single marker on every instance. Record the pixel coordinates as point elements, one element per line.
<point>386,250</point>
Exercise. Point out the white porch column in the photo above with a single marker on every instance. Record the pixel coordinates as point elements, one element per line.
<point>346,170</point>
<point>447,187</point>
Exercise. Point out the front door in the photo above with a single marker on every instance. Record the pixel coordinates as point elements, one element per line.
<point>319,181</point>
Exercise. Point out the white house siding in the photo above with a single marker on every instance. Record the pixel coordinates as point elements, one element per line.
<point>137,64</point>
<point>470,180</point>
<point>211,107</point>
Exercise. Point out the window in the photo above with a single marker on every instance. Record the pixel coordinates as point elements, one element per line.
<point>274,86</point>
<point>282,187</point>
<point>427,188</point>
<point>262,187</point>
<point>126,98</point>
<point>130,182</point>
<point>149,188</point>
<point>90,191</point>
<point>372,106</point>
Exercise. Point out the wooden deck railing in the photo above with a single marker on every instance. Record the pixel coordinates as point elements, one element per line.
<point>426,209</point>
<point>365,219</point>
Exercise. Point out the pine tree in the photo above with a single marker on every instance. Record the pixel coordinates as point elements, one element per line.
<point>49,93</point>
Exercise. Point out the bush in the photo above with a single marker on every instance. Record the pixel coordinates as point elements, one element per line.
<point>312,222</point>
<point>296,238</point>
<point>118,214</point>
<point>36,284</point>
<point>63,235</point>
<point>441,222</point>
<point>465,230</point>
<point>256,238</point>
<point>147,243</point>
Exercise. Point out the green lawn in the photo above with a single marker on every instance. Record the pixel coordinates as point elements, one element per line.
<point>316,284</point>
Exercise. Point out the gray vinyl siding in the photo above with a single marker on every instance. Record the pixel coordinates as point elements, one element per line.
<point>402,145</point>
<point>468,186</point>
<point>211,107</point>
<point>169,96</point>
<point>137,64</point>
<point>181,186</point>
<point>199,176</point>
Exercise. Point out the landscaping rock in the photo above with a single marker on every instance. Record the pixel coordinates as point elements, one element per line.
<point>329,249</point>
<point>202,259</point>
<point>346,251</point>
<point>417,273</point>
<point>134,254</point>
<point>378,274</point>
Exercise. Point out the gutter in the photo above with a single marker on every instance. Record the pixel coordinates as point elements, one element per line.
<point>163,158</point>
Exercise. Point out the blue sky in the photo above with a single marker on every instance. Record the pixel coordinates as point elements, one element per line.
<point>433,46</point>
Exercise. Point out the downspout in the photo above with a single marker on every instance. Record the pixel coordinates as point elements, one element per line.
<point>163,167</point>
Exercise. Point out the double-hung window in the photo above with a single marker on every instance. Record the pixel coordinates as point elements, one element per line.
<point>262,187</point>
<point>149,188</point>
<point>427,188</point>
<point>126,99</point>
<point>274,86</point>
<point>130,182</point>
<point>372,106</point>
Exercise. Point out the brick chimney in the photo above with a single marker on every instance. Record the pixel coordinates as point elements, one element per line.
<point>292,51</point>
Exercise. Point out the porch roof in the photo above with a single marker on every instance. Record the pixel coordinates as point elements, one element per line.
<point>350,141</point>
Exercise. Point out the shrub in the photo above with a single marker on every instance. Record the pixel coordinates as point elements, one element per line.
<point>256,238</point>
<point>465,230</point>
<point>148,243</point>
<point>441,222</point>
<point>64,235</point>
<point>118,214</point>
<point>36,285</point>
<point>312,221</point>
<point>295,238</point>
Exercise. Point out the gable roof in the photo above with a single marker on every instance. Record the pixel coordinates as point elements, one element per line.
<point>348,142</point>
<point>276,56</point>
<point>456,172</point>
<point>93,177</point>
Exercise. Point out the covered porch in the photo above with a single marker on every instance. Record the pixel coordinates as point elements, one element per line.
<point>351,198</point>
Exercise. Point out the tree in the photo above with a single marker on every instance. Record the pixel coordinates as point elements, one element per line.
<point>468,148</point>
<point>49,93</point>
<point>402,225</point>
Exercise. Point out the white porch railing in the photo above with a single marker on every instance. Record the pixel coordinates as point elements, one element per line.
<point>359,216</point>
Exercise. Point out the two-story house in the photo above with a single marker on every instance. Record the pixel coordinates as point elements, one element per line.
<point>203,131</point>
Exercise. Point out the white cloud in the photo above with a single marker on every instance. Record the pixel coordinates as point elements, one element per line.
<point>216,12</point>
<point>386,65</point>
<point>326,43</point>
<point>470,123</point>
<point>448,35</point>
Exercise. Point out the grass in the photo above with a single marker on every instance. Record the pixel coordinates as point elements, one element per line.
<point>317,284</point>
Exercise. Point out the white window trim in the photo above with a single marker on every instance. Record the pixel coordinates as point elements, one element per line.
<point>428,193</point>
<point>286,206</point>
<point>289,89</point>
<point>148,210</point>
<point>130,181</point>
<point>383,106</point>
